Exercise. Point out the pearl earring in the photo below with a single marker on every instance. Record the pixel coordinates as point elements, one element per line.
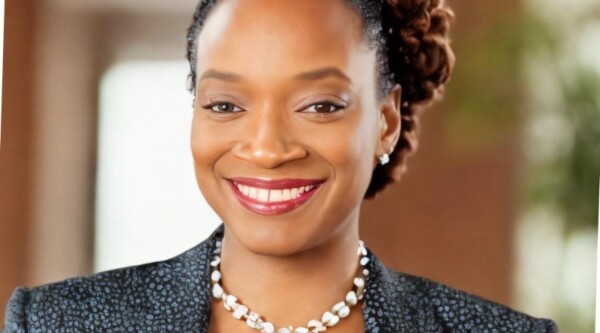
<point>384,159</point>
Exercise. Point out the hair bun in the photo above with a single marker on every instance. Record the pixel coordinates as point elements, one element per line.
<point>421,61</point>
<point>419,54</point>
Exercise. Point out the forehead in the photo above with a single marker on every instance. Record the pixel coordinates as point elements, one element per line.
<point>259,37</point>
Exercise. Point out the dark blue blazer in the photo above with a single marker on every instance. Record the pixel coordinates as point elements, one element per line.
<point>174,296</point>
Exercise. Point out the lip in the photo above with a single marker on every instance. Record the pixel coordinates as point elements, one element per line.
<point>275,184</point>
<point>274,208</point>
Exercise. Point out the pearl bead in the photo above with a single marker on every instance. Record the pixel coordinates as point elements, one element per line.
<point>240,311</point>
<point>217,290</point>
<point>344,312</point>
<point>215,262</point>
<point>230,302</point>
<point>253,320</point>
<point>327,316</point>
<point>363,251</point>
<point>267,328</point>
<point>364,261</point>
<point>351,298</point>
<point>359,282</point>
<point>337,307</point>
<point>334,320</point>
<point>314,324</point>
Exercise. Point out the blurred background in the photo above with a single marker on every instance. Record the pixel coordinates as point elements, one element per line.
<point>501,200</point>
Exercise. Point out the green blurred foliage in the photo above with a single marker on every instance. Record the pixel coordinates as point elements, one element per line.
<point>488,98</point>
<point>511,74</point>
<point>485,87</point>
<point>568,181</point>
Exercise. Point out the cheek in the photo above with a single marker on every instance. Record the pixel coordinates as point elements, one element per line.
<point>206,146</point>
<point>198,140</point>
<point>349,148</point>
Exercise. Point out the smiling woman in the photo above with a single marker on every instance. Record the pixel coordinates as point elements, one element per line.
<point>302,110</point>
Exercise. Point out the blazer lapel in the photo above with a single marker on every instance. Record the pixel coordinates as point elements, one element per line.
<point>197,267</point>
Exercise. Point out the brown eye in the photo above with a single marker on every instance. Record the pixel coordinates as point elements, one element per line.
<point>223,107</point>
<point>324,107</point>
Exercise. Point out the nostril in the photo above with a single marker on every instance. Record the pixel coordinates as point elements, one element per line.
<point>269,156</point>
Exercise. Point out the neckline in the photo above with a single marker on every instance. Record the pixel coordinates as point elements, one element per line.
<point>374,290</point>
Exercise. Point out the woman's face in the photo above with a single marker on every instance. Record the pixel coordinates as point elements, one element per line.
<point>286,90</point>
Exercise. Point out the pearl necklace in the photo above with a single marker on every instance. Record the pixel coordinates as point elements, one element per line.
<point>254,320</point>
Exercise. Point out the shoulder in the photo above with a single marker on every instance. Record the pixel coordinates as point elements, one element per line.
<point>110,300</point>
<point>455,310</point>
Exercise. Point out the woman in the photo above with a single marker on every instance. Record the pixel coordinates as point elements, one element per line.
<point>302,110</point>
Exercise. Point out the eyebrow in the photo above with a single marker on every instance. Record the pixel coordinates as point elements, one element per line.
<point>224,76</point>
<point>322,73</point>
<point>313,75</point>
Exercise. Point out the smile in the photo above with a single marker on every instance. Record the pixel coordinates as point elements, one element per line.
<point>270,197</point>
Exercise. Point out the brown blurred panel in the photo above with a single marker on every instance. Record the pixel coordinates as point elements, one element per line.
<point>448,220</point>
<point>451,217</point>
<point>16,148</point>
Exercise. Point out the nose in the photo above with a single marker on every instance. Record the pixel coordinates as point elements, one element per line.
<point>268,141</point>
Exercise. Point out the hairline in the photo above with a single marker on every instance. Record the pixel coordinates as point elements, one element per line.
<point>372,38</point>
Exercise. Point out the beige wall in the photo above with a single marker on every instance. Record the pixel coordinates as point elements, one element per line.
<point>65,145</point>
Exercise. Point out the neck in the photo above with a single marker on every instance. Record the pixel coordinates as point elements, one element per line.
<point>290,290</point>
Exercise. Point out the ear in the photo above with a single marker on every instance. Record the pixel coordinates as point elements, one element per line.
<point>390,123</point>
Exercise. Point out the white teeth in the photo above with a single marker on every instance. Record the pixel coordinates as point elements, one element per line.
<point>252,193</point>
<point>263,195</point>
<point>278,195</point>
<point>275,195</point>
<point>287,195</point>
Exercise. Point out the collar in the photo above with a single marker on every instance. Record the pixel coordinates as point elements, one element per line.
<point>380,307</point>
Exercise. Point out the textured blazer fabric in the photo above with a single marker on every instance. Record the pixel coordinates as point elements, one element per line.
<point>174,295</point>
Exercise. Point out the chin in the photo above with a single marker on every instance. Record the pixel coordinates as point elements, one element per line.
<point>272,240</point>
